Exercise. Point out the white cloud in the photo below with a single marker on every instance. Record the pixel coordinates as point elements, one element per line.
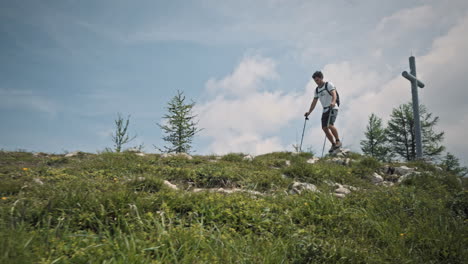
<point>443,69</point>
<point>26,99</point>
<point>241,116</point>
<point>399,26</point>
<point>246,78</point>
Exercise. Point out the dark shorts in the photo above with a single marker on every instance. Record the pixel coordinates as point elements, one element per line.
<point>332,117</point>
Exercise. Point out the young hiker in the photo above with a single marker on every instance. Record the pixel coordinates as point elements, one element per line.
<point>326,93</point>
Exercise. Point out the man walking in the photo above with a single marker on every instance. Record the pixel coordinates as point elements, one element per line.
<point>327,94</point>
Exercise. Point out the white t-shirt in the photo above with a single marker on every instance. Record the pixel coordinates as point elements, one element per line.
<point>324,97</point>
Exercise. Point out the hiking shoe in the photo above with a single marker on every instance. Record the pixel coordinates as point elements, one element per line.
<point>333,148</point>
<point>338,144</point>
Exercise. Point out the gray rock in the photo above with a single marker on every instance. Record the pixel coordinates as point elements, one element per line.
<point>402,170</point>
<point>170,185</point>
<point>73,154</point>
<point>343,190</point>
<point>407,175</point>
<point>133,150</point>
<point>341,153</point>
<point>185,155</point>
<point>345,151</point>
<point>438,168</point>
<point>141,154</point>
<point>352,188</point>
<point>38,181</point>
<point>313,160</point>
<point>386,183</point>
<point>376,178</point>
<point>299,187</point>
<point>330,183</point>
<point>347,161</point>
<point>288,163</point>
<point>341,161</point>
<point>226,191</point>
<point>182,155</point>
<point>339,195</point>
<point>391,177</point>
<point>248,157</point>
<point>253,192</point>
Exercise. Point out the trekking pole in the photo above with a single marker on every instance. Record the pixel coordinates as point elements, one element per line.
<point>328,123</point>
<point>302,138</point>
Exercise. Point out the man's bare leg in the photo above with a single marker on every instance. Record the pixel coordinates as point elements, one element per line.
<point>329,135</point>
<point>334,131</point>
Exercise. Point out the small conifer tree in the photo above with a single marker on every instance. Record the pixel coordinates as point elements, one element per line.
<point>375,144</point>
<point>180,126</point>
<point>121,136</point>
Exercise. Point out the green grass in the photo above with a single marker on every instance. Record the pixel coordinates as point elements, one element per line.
<point>114,208</point>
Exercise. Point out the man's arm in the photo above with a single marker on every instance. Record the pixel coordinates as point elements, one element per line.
<point>333,101</point>
<point>312,107</point>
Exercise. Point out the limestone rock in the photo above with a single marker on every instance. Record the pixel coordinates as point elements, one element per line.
<point>299,187</point>
<point>248,157</point>
<point>38,181</point>
<point>407,175</point>
<point>341,161</point>
<point>339,195</point>
<point>313,160</point>
<point>391,177</point>
<point>352,188</point>
<point>376,178</point>
<point>329,183</point>
<point>402,170</point>
<point>386,183</point>
<point>288,163</point>
<point>170,185</point>
<point>133,150</point>
<point>343,190</point>
<point>183,155</point>
<point>74,154</point>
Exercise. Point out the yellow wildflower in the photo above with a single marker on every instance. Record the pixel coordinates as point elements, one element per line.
<point>402,234</point>
<point>25,169</point>
<point>4,198</point>
<point>305,203</point>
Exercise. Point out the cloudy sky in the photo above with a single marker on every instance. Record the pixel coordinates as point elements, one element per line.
<point>68,68</point>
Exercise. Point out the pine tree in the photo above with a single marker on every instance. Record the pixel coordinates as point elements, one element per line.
<point>451,163</point>
<point>375,144</point>
<point>401,133</point>
<point>180,126</point>
<point>121,135</point>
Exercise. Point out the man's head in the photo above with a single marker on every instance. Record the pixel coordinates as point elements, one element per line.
<point>318,77</point>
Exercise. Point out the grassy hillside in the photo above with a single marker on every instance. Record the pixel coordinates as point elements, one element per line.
<point>116,208</point>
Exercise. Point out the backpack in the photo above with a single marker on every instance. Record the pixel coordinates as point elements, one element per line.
<point>337,95</point>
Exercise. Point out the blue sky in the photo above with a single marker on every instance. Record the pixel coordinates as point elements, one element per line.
<point>68,68</point>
